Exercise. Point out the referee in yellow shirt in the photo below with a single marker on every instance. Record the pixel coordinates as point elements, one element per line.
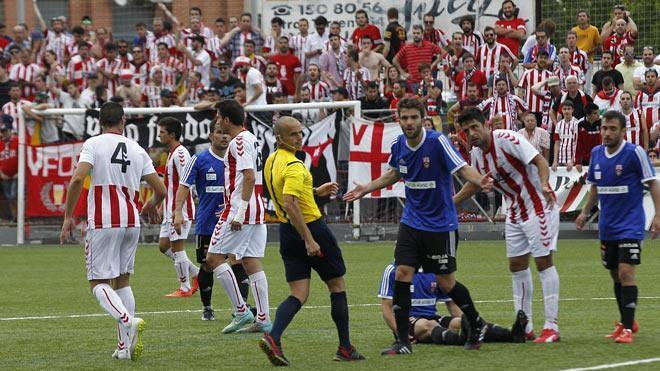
<point>306,242</point>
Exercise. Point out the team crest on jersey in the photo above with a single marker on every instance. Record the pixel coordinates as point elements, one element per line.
<point>210,174</point>
<point>618,169</point>
<point>427,162</point>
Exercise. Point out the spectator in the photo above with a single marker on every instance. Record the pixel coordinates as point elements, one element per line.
<point>548,91</point>
<point>47,125</point>
<point>20,41</point>
<point>124,56</point>
<point>103,37</point>
<point>355,76</point>
<point>588,135</point>
<point>579,58</point>
<point>573,93</point>
<point>490,54</point>
<point>309,116</point>
<point>254,82</point>
<point>298,41</point>
<point>271,44</point>
<point>565,69</point>
<point>472,39</point>
<point>89,93</point>
<point>628,68</point>
<point>588,37</point>
<point>413,54</point>
<point>371,60</point>
<point>537,136</point>
<point>316,41</point>
<point>319,90</point>
<point>194,90</point>
<point>273,84</point>
<point>469,75</point>
<point>430,93</point>
<point>427,123</point>
<point>619,40</point>
<point>198,59</point>
<point>619,12</point>
<point>335,29</point>
<point>52,70</point>
<point>364,28</point>
<point>100,97</point>
<point>88,27</point>
<point>234,39</point>
<point>161,35</point>
<point>503,103</point>
<point>398,92</point>
<point>653,156</point>
<point>233,22</point>
<point>142,39</point>
<point>565,138</point>
<point>609,98</point>
<point>510,29</point>
<point>289,68</point>
<point>529,78</point>
<point>636,131</point>
<point>434,35</point>
<point>56,39</point>
<point>73,127</point>
<point>392,76</point>
<point>15,103</point>
<point>5,85</point>
<point>472,99</point>
<point>648,99</point>
<point>639,80</point>
<point>549,27</point>
<point>140,66</point>
<point>606,71</point>
<point>373,101</point>
<point>9,162</point>
<point>226,82</point>
<point>542,44</point>
<point>395,35</point>
<point>333,62</point>
<point>128,90</point>
<point>214,43</point>
<point>24,74</point>
<point>240,93</point>
<point>108,68</point>
<point>80,66</point>
<point>151,91</point>
<point>453,61</point>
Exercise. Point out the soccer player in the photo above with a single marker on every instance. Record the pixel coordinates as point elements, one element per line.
<point>172,243</point>
<point>426,326</point>
<point>117,166</point>
<point>618,173</point>
<point>532,225</point>
<point>428,231</point>
<point>241,232</point>
<point>306,242</point>
<point>206,171</point>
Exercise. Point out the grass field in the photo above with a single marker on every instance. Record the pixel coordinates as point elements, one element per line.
<point>49,319</point>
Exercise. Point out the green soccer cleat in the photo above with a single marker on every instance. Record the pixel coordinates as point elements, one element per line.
<point>256,327</point>
<point>135,333</point>
<point>238,322</point>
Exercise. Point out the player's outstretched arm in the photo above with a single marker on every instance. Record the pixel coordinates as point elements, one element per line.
<point>466,192</point>
<point>72,196</point>
<point>390,177</point>
<point>584,214</point>
<point>150,209</point>
<point>326,189</point>
<point>292,208</point>
<point>181,196</point>
<point>471,175</point>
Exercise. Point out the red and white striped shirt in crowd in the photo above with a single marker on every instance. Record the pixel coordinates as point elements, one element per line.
<point>297,45</point>
<point>25,75</point>
<point>488,59</point>
<point>125,62</point>
<point>649,103</point>
<point>171,67</point>
<point>529,79</point>
<point>579,58</point>
<point>141,73</point>
<point>79,68</point>
<point>566,133</point>
<point>256,61</point>
<point>353,84</point>
<point>342,45</point>
<point>563,73</point>
<point>112,67</point>
<point>633,127</point>
<point>437,37</point>
<point>58,43</point>
<point>119,165</point>
<point>11,108</point>
<point>506,106</point>
<point>151,94</point>
<point>319,90</point>
<point>242,154</point>
<point>152,45</point>
<point>59,71</point>
<point>192,94</point>
<point>72,48</point>
<point>176,163</point>
<point>509,162</point>
<point>472,42</point>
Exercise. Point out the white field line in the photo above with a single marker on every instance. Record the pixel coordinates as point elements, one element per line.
<point>616,365</point>
<point>88,315</point>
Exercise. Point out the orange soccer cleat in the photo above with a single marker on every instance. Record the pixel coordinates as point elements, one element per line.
<point>626,337</point>
<point>195,285</point>
<point>180,294</point>
<point>548,336</point>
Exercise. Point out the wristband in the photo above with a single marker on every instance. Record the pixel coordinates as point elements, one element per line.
<point>240,213</point>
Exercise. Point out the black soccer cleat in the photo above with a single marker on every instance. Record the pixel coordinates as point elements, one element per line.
<point>273,351</point>
<point>350,354</point>
<point>475,335</point>
<point>396,349</point>
<point>208,314</point>
<point>518,328</point>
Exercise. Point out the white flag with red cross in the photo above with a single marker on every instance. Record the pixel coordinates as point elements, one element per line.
<point>371,144</point>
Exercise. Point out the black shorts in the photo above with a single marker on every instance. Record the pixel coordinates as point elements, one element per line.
<point>443,321</point>
<point>298,266</point>
<point>433,251</point>
<point>620,251</point>
<point>203,242</point>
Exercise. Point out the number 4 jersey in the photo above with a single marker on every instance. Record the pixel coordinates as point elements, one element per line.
<point>174,172</point>
<point>118,165</point>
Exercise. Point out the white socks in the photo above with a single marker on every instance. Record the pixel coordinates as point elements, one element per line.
<point>227,279</point>
<point>182,267</point>
<point>259,288</point>
<point>523,289</point>
<point>193,270</point>
<point>127,298</point>
<point>112,304</point>
<point>550,284</point>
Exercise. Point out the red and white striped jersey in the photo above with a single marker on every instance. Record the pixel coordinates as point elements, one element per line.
<point>473,42</point>
<point>79,68</point>
<point>25,75</point>
<point>112,67</point>
<point>633,127</point>
<point>579,58</point>
<point>141,73</point>
<point>649,103</point>
<point>509,162</point>
<point>151,94</point>
<point>192,94</point>
<point>256,61</point>
<point>506,106</point>
<point>58,43</point>
<point>488,59</point>
<point>319,91</point>
<point>297,45</point>
<point>563,73</point>
<point>11,108</point>
<point>152,45</point>
<point>437,37</point>
<point>566,133</point>
<point>529,79</point>
<point>59,71</point>
<point>119,165</point>
<point>242,154</point>
<point>353,84</point>
<point>72,48</point>
<point>171,67</point>
<point>176,163</point>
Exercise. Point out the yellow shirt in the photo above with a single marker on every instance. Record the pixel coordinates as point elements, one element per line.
<point>284,174</point>
<point>587,39</point>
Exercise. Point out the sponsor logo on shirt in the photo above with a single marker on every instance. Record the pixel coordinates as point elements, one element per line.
<point>421,185</point>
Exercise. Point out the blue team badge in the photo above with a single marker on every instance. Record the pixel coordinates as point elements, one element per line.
<point>618,169</point>
<point>427,162</point>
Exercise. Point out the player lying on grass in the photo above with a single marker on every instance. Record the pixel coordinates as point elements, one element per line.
<point>426,326</point>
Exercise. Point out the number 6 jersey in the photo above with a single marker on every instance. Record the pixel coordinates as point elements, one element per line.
<point>118,165</point>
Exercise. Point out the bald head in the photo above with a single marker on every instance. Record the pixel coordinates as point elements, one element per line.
<point>285,124</point>
<point>289,134</point>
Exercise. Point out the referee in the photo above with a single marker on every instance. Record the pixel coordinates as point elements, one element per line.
<point>306,243</point>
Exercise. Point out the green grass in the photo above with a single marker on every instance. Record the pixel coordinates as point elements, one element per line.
<point>50,281</point>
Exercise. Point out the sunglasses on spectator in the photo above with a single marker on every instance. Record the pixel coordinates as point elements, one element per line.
<point>13,51</point>
<point>428,22</point>
<point>137,50</point>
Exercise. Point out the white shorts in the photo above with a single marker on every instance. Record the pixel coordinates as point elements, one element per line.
<point>167,231</point>
<point>249,242</point>
<point>110,252</point>
<point>537,235</point>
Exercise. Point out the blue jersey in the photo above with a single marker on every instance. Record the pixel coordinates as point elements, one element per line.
<point>424,292</point>
<point>427,174</point>
<point>619,179</point>
<point>206,171</point>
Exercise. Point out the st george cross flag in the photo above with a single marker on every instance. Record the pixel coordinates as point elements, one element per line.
<point>371,144</point>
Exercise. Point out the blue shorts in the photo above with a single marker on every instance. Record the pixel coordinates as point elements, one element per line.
<point>298,266</point>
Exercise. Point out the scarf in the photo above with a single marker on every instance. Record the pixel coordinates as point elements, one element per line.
<point>601,94</point>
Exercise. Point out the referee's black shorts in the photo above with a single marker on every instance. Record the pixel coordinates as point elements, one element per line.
<point>298,266</point>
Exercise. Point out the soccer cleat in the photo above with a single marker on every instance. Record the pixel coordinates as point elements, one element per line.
<point>239,321</point>
<point>626,337</point>
<point>208,314</point>
<point>256,327</point>
<point>619,328</point>
<point>124,353</point>
<point>135,334</point>
<point>273,351</point>
<point>180,294</point>
<point>195,285</point>
<point>548,336</point>
<point>396,349</point>
<point>475,335</point>
<point>530,335</point>
<point>351,354</point>
<point>518,328</point>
